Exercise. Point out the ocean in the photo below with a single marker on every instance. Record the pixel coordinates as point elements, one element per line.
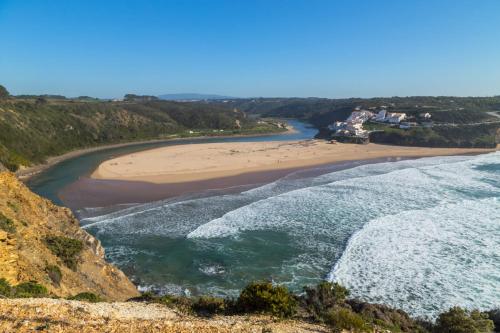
<point>421,235</point>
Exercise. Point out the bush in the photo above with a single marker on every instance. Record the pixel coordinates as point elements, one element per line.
<point>54,273</point>
<point>209,306</point>
<point>458,320</point>
<point>5,288</point>
<point>67,249</point>
<point>494,315</point>
<point>87,297</point>
<point>323,297</point>
<point>344,319</point>
<point>263,297</point>
<point>7,224</point>
<point>30,289</point>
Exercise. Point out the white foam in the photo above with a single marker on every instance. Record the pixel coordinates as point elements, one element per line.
<point>425,261</point>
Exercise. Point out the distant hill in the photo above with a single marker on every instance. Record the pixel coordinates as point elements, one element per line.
<point>192,97</point>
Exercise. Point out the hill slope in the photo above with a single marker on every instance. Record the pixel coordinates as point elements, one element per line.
<point>31,228</point>
<point>32,130</point>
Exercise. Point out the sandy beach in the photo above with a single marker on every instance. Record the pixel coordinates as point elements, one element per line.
<point>201,162</point>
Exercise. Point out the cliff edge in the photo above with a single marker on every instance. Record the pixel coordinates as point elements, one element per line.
<point>42,242</point>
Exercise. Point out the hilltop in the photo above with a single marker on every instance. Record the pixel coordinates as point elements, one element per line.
<point>192,97</point>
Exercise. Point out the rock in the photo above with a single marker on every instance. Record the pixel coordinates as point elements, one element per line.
<point>24,254</point>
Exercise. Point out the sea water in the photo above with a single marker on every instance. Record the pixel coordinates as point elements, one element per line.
<point>421,235</point>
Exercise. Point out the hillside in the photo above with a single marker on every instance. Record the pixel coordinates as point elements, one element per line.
<point>31,130</point>
<point>44,243</point>
<point>460,121</point>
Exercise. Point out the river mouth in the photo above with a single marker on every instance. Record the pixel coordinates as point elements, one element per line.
<point>62,179</point>
<point>407,233</point>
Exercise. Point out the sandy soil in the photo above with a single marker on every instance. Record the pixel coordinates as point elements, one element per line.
<point>186,163</point>
<point>52,315</point>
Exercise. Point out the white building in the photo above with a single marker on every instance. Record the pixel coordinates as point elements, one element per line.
<point>381,115</point>
<point>395,117</point>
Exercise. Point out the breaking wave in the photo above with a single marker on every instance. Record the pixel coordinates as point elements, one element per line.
<point>418,234</point>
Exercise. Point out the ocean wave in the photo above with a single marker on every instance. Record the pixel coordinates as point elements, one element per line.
<point>428,260</point>
<point>295,229</point>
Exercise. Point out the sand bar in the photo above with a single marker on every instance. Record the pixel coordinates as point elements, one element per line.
<point>187,163</point>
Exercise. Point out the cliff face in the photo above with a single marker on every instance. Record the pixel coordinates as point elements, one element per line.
<point>26,222</point>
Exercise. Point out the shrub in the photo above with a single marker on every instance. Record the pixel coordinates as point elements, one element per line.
<point>344,319</point>
<point>323,297</point>
<point>209,306</point>
<point>494,315</point>
<point>54,273</point>
<point>458,320</point>
<point>30,289</point>
<point>7,224</point>
<point>87,297</point>
<point>263,297</point>
<point>67,249</point>
<point>5,288</point>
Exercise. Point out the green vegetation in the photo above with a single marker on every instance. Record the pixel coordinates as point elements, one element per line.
<point>264,297</point>
<point>327,303</point>
<point>22,290</point>
<point>33,128</point>
<point>210,306</point>
<point>54,273</point>
<point>345,319</point>
<point>480,136</point>
<point>29,289</point>
<point>87,297</point>
<point>5,288</point>
<point>458,320</point>
<point>7,224</point>
<point>67,249</point>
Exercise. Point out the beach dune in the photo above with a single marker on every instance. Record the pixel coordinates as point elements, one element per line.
<point>187,163</point>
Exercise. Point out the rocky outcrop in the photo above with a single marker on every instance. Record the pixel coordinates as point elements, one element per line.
<point>24,256</point>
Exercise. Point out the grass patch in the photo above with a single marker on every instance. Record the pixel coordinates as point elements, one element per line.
<point>29,289</point>
<point>7,224</point>
<point>87,297</point>
<point>340,319</point>
<point>67,249</point>
<point>5,288</point>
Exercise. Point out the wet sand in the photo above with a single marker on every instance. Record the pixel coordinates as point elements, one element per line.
<point>90,192</point>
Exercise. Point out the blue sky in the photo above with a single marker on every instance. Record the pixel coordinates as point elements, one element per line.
<point>323,48</point>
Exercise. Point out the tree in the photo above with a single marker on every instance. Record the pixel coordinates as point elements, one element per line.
<point>3,92</point>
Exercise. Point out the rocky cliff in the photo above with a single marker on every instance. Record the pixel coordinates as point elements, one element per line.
<point>42,242</point>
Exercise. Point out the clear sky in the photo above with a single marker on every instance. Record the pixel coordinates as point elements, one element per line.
<point>323,48</point>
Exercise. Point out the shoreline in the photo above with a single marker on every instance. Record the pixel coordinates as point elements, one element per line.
<point>26,173</point>
<point>88,192</point>
<point>208,161</point>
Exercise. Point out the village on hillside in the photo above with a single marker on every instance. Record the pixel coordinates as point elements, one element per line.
<point>352,130</point>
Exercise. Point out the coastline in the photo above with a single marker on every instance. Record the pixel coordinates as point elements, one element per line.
<point>26,173</point>
<point>203,162</point>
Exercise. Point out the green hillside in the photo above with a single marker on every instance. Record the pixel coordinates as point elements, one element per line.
<point>32,129</point>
